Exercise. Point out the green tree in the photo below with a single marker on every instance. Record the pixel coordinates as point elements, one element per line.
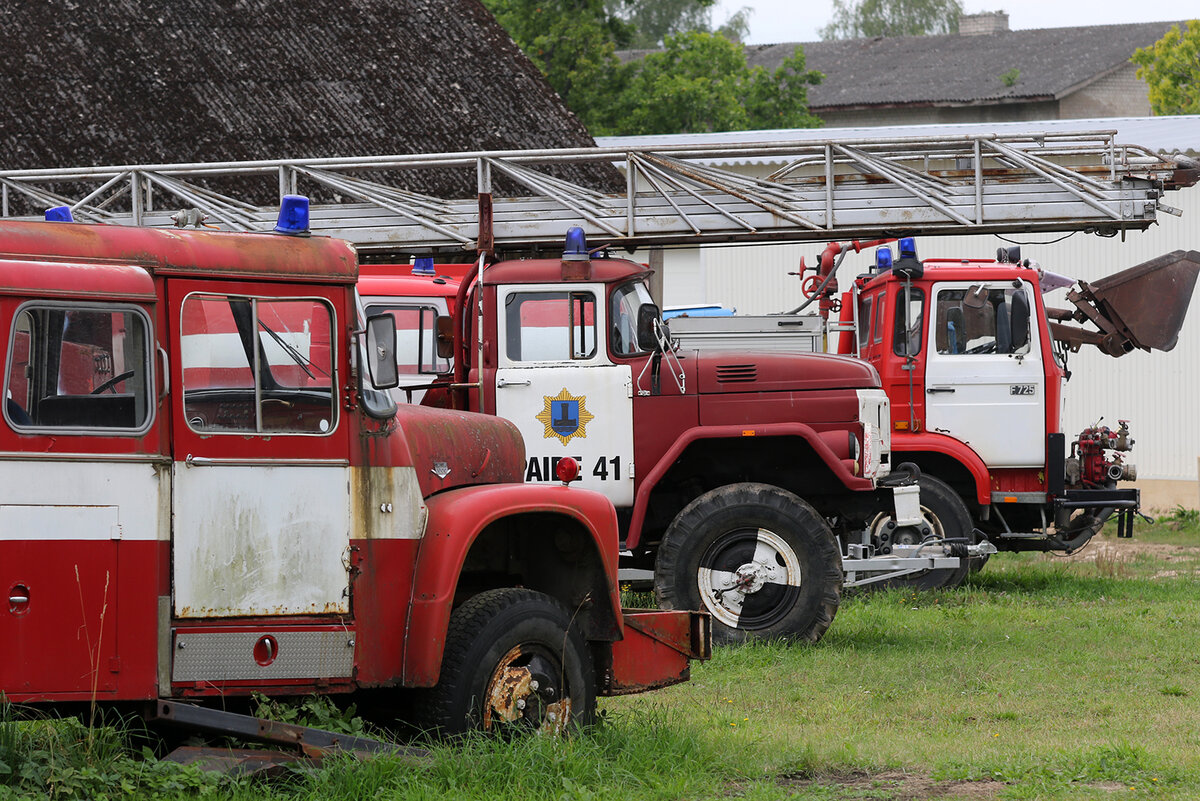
<point>573,43</point>
<point>1171,69</point>
<point>700,82</point>
<point>652,21</point>
<point>854,19</point>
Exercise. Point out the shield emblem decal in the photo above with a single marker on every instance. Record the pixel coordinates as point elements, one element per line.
<point>565,416</point>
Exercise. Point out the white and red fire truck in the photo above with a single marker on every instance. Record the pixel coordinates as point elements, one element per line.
<point>974,363</point>
<point>205,494</point>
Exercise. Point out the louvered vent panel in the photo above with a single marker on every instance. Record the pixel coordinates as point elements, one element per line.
<point>736,373</point>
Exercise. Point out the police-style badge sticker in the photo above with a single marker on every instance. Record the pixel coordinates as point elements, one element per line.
<point>565,416</point>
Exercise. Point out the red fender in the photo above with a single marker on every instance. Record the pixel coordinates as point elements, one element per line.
<point>831,460</point>
<point>456,519</point>
<point>903,443</point>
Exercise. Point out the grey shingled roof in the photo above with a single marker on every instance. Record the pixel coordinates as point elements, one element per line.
<point>146,81</point>
<point>954,70</point>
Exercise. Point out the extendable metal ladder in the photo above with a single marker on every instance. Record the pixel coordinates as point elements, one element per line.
<point>674,195</point>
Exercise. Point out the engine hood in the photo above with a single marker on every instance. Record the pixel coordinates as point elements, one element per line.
<point>455,449</point>
<point>730,371</point>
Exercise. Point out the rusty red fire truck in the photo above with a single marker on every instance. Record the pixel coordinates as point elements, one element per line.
<point>975,365</point>
<point>205,494</point>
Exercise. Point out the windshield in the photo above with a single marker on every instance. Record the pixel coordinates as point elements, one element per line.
<point>623,315</point>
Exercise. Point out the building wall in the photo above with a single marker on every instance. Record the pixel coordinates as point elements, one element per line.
<point>1157,392</point>
<point>1121,94</point>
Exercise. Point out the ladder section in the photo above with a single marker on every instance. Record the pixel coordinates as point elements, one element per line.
<point>683,194</point>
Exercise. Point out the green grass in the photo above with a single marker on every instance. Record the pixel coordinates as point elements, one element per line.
<point>1041,678</point>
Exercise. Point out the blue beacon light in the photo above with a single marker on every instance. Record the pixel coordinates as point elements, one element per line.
<point>423,266</point>
<point>293,216</point>
<point>576,245</point>
<point>883,259</point>
<point>60,214</point>
<point>908,248</point>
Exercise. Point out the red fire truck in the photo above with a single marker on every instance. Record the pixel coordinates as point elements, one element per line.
<point>726,469</point>
<point>975,365</point>
<point>205,493</point>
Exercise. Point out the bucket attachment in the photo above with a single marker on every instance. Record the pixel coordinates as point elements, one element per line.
<point>1142,307</point>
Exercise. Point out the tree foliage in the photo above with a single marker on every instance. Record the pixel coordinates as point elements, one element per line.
<point>1171,69</point>
<point>854,19</point>
<point>700,81</point>
<point>573,43</point>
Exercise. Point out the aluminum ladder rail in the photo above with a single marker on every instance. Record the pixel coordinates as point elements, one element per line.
<point>674,195</point>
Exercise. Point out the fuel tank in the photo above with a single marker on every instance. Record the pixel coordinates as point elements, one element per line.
<point>454,449</point>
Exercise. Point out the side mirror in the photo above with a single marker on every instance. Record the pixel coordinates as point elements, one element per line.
<point>381,351</point>
<point>444,326</point>
<point>1019,319</point>
<point>647,316</point>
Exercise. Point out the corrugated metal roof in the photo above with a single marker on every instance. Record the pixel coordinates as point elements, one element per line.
<point>1179,134</point>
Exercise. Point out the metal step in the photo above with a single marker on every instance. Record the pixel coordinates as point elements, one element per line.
<point>674,195</point>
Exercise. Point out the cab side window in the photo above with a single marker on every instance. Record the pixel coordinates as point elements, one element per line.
<point>550,326</point>
<point>81,367</point>
<point>258,365</point>
<point>906,334</point>
<point>416,339</point>
<point>864,321</point>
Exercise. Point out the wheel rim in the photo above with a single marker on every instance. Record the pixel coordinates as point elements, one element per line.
<point>908,535</point>
<point>749,578</point>
<point>528,688</point>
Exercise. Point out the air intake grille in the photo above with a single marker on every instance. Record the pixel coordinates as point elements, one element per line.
<point>736,373</point>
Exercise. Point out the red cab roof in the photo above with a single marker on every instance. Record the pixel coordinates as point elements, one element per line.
<point>179,252</point>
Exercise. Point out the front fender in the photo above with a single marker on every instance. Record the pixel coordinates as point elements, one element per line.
<point>457,518</point>
<point>906,443</point>
<point>836,466</point>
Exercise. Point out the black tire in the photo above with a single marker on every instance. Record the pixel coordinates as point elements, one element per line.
<point>948,518</point>
<point>769,564</point>
<point>520,648</point>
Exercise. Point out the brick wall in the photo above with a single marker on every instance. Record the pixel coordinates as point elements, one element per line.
<point>1120,94</point>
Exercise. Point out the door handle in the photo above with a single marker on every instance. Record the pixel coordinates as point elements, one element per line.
<point>935,390</point>
<point>501,383</point>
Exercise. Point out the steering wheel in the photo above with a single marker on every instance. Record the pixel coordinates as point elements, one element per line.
<point>112,382</point>
<point>986,347</point>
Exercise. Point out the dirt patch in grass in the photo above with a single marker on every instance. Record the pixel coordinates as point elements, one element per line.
<point>896,786</point>
<point>1105,547</point>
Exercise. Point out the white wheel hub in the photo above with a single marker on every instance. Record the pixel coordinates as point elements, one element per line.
<point>725,591</point>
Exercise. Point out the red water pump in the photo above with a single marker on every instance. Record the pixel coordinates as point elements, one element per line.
<point>1095,457</point>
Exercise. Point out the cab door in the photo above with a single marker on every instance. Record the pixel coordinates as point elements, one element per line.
<point>984,378</point>
<point>554,380</point>
<point>261,476</point>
